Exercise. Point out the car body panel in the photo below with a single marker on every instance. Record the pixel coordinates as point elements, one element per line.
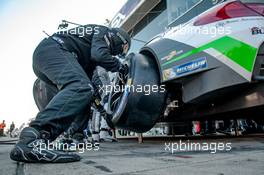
<point>204,62</point>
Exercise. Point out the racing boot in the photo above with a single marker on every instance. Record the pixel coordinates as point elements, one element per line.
<point>32,147</point>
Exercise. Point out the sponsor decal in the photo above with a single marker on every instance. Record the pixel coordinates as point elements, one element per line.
<point>223,23</point>
<point>197,64</point>
<point>226,22</point>
<point>257,30</point>
<point>233,52</point>
<point>171,55</point>
<point>252,19</point>
<point>191,66</point>
<point>168,74</point>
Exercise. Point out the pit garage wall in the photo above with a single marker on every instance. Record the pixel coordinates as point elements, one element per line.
<point>144,19</point>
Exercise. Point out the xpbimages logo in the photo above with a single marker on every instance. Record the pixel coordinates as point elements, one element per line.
<point>40,146</point>
<point>212,147</point>
<point>81,31</point>
<point>146,89</point>
<point>212,31</point>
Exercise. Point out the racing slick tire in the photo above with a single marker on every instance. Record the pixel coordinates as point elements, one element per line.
<point>143,99</point>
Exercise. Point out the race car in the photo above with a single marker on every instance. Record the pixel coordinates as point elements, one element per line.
<point>211,67</point>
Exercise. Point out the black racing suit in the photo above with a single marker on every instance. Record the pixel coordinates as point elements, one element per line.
<point>67,60</point>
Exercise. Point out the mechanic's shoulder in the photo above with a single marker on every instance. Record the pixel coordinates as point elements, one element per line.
<point>102,28</point>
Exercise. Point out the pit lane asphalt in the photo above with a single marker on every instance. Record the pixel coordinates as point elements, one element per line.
<point>127,157</point>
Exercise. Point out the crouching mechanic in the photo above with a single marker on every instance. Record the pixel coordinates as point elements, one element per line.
<point>67,60</point>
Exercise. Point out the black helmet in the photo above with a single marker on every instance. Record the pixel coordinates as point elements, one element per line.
<point>120,38</point>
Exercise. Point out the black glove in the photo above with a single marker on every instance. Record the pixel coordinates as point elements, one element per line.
<point>123,69</point>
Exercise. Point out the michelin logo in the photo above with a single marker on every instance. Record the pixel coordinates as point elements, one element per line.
<point>191,66</point>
